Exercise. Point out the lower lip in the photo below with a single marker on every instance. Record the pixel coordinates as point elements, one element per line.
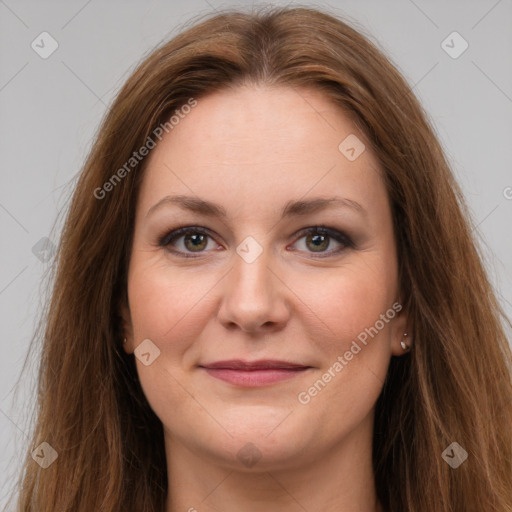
<point>254,378</point>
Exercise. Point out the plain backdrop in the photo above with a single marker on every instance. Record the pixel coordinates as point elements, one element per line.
<point>50,109</point>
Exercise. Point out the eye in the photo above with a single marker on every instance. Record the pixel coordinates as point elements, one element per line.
<point>320,238</point>
<point>185,240</point>
<point>188,240</point>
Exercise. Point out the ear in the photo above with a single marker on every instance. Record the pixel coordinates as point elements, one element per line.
<point>401,330</point>
<point>127,328</point>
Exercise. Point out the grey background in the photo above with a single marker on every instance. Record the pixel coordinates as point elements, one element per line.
<point>50,110</point>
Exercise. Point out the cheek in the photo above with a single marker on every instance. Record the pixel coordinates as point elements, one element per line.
<point>351,300</point>
<point>167,305</point>
<point>355,344</point>
<point>170,310</point>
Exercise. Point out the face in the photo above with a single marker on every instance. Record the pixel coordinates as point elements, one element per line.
<point>263,289</point>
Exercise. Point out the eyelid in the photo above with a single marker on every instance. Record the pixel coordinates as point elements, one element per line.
<point>178,232</point>
<point>337,234</point>
<point>333,233</point>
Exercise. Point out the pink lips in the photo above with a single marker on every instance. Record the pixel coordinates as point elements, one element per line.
<point>253,374</point>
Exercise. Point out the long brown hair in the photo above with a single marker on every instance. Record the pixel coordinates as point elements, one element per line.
<point>454,385</point>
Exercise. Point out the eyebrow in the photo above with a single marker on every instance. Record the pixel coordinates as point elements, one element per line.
<point>292,208</point>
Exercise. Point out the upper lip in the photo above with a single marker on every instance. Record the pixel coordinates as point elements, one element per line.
<point>264,364</point>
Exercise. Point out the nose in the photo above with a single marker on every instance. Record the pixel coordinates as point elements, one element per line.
<point>254,297</point>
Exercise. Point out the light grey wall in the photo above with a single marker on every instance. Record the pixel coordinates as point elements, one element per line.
<point>50,108</point>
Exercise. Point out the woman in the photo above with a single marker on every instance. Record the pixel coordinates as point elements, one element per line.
<point>268,296</point>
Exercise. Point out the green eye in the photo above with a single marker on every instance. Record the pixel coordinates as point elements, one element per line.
<point>194,239</point>
<point>319,239</point>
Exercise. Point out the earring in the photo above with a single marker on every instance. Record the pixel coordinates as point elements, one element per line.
<point>404,345</point>
<point>124,341</point>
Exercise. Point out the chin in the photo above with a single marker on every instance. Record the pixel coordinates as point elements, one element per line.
<point>261,445</point>
<point>260,453</point>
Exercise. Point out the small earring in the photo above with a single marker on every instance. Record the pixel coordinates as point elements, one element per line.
<point>124,341</point>
<point>404,345</point>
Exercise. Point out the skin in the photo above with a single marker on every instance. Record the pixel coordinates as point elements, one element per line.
<point>252,150</point>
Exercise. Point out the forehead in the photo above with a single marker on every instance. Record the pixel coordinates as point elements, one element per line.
<point>262,143</point>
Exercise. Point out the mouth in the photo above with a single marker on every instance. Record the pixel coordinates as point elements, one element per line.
<point>255,373</point>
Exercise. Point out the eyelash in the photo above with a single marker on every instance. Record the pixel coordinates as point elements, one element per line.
<point>339,236</point>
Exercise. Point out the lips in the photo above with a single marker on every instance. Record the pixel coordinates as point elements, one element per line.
<point>253,373</point>
<point>238,364</point>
